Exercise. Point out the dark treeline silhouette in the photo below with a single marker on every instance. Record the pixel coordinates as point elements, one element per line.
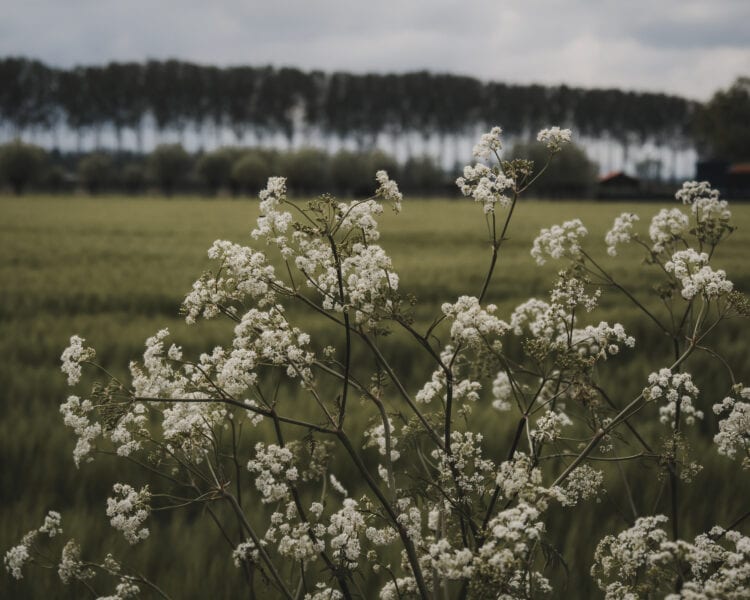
<point>244,171</point>
<point>257,102</point>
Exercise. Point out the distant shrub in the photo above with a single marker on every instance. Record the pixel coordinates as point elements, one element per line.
<point>133,178</point>
<point>307,170</point>
<point>250,172</point>
<point>215,168</point>
<point>55,179</point>
<point>20,164</point>
<point>95,172</point>
<point>351,173</point>
<point>381,161</point>
<point>169,166</point>
<point>570,175</point>
<point>422,175</point>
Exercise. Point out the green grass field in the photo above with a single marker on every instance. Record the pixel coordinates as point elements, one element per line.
<point>115,270</point>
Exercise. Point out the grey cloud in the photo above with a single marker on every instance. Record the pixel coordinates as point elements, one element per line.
<point>637,44</point>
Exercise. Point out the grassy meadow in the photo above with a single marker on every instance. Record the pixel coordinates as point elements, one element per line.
<point>115,269</point>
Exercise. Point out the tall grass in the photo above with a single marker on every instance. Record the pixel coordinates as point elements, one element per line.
<point>115,269</point>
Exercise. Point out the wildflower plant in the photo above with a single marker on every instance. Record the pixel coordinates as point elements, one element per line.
<point>252,432</point>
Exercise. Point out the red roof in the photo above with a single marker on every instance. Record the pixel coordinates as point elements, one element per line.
<point>616,175</point>
<point>739,169</point>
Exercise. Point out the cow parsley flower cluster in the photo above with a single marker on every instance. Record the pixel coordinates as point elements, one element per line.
<point>268,338</point>
<point>489,144</point>
<point>274,469</point>
<point>486,186</point>
<point>345,528</point>
<point>559,241</point>
<point>243,273</point>
<point>621,232</point>
<point>711,214</point>
<point>696,277</point>
<point>554,138</point>
<point>643,562</point>
<point>125,590</point>
<point>678,390</point>
<point>19,555</point>
<point>463,389</point>
<point>667,227</point>
<point>734,427</point>
<point>388,190</point>
<point>473,325</point>
<point>273,223</point>
<point>501,562</point>
<point>584,483</point>
<point>73,356</point>
<point>376,437</point>
<point>465,466</point>
<point>600,341</point>
<point>71,567</point>
<point>245,552</point>
<point>549,426</point>
<point>77,414</point>
<point>128,509</point>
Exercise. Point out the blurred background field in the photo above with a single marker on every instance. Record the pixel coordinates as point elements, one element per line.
<point>115,269</point>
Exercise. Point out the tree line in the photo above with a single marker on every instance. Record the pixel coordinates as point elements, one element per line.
<point>236,170</point>
<point>256,103</point>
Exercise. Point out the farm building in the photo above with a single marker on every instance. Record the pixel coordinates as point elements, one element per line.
<point>618,185</point>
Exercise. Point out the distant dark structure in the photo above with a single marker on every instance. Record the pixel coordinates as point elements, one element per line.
<point>618,186</point>
<point>731,179</point>
<point>738,181</point>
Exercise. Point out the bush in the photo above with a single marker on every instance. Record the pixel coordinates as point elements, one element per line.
<point>56,180</point>
<point>133,178</point>
<point>570,175</point>
<point>307,170</point>
<point>422,175</point>
<point>95,172</point>
<point>250,172</point>
<point>21,164</point>
<point>215,168</point>
<point>351,173</point>
<point>169,166</point>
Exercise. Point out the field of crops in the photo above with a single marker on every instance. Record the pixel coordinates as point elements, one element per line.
<point>114,270</point>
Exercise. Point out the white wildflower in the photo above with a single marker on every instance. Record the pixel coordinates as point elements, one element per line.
<point>245,552</point>
<point>559,241</point>
<point>621,232</point>
<point>554,138</point>
<point>52,525</point>
<point>667,226</point>
<point>336,485</point>
<point>127,511</point>
<point>274,469</point>
<point>388,190</point>
<point>734,427</point>
<point>696,277</point>
<point>486,186</point>
<point>677,389</point>
<point>125,590</point>
<point>344,530</point>
<point>489,144</point>
<point>71,567</point>
<point>473,325</point>
<point>243,273</point>
<point>77,416</point>
<point>15,559</point>
<point>73,356</point>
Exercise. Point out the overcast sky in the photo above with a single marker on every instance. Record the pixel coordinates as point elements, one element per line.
<point>689,47</point>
